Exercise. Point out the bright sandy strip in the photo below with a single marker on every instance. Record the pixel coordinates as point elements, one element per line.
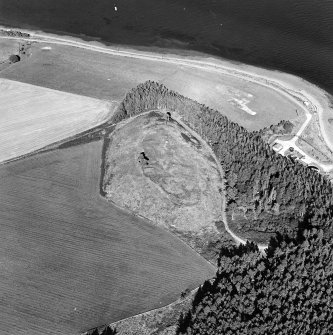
<point>32,117</point>
<point>292,87</point>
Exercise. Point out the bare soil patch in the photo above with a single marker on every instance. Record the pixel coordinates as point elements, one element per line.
<point>71,261</point>
<point>32,117</point>
<point>160,171</point>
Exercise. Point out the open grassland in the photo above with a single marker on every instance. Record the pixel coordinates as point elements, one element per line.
<point>161,171</point>
<point>7,48</point>
<point>106,76</point>
<point>32,117</point>
<point>70,260</point>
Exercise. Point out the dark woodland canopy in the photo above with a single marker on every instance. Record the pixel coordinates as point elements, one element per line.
<point>287,292</point>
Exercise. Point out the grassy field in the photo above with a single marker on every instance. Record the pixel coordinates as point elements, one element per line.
<point>105,76</point>
<point>70,260</point>
<point>32,117</point>
<point>7,48</point>
<point>176,183</point>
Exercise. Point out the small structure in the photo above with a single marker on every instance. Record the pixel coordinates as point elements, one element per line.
<point>168,116</point>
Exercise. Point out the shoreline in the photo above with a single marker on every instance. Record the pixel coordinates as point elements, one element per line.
<point>291,86</point>
<point>200,51</point>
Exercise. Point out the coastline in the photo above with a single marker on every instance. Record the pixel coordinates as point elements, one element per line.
<point>293,85</point>
<point>287,84</point>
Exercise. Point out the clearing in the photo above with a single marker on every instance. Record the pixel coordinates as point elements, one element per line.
<point>32,117</point>
<point>70,260</point>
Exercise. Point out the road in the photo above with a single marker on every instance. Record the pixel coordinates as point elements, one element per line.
<point>286,144</point>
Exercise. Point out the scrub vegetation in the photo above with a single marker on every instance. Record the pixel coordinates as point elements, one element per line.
<point>159,170</point>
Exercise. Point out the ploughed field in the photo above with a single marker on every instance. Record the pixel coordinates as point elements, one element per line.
<point>70,260</point>
<point>32,117</point>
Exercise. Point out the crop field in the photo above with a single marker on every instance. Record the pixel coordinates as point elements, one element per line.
<point>32,117</point>
<point>105,76</point>
<point>70,260</point>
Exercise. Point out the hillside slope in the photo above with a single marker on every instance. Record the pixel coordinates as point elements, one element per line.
<point>159,170</point>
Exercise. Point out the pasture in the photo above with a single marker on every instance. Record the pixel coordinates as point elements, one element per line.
<point>70,260</point>
<point>7,48</point>
<point>106,76</point>
<point>32,117</point>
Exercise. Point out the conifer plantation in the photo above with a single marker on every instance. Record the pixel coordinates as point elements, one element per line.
<point>287,292</point>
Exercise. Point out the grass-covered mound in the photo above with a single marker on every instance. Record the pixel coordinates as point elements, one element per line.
<point>266,192</point>
<point>162,171</point>
<point>287,292</point>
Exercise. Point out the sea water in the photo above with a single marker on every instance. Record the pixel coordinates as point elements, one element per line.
<point>289,35</point>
